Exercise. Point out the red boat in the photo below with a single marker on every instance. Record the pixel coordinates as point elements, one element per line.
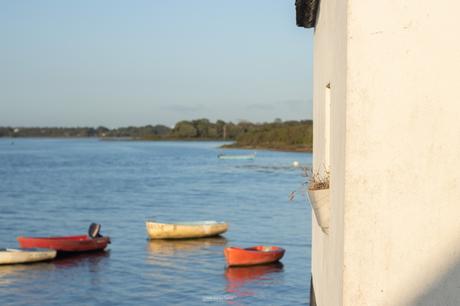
<point>253,256</point>
<point>83,243</point>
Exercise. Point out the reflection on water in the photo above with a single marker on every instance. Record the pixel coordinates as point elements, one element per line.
<point>27,272</point>
<point>194,258</point>
<point>166,248</point>
<point>11,273</point>
<point>90,259</point>
<point>68,183</point>
<point>271,168</point>
<point>245,274</point>
<point>241,280</point>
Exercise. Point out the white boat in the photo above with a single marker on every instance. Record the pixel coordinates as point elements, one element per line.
<point>183,230</point>
<point>17,256</point>
<point>236,156</point>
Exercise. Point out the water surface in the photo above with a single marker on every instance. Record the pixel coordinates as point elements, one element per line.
<point>59,186</point>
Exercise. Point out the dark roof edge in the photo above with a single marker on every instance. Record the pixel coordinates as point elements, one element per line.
<point>306,12</point>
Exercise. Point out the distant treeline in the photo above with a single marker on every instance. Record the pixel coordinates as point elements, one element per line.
<point>288,135</point>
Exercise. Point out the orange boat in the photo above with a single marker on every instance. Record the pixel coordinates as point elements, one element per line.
<point>255,255</point>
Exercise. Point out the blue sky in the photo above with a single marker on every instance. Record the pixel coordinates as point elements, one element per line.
<point>119,63</point>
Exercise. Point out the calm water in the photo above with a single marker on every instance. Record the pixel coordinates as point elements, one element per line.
<point>58,187</point>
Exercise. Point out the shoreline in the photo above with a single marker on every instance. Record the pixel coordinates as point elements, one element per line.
<point>292,149</point>
<point>232,146</point>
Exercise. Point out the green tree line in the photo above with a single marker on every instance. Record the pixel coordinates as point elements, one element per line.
<point>288,135</point>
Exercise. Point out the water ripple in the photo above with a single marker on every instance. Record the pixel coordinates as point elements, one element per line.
<point>57,187</point>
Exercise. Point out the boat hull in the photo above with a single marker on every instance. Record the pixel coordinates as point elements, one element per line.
<point>81,243</point>
<point>19,256</point>
<point>256,255</point>
<point>185,230</point>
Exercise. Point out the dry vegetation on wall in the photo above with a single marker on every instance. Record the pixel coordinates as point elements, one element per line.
<point>318,181</point>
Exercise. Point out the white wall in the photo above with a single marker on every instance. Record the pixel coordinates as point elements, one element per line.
<point>394,69</point>
<point>402,187</point>
<point>329,68</point>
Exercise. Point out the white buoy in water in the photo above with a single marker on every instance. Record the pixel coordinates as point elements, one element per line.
<point>295,164</point>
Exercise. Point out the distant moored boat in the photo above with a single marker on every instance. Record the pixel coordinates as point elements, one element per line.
<point>236,156</point>
<point>184,230</point>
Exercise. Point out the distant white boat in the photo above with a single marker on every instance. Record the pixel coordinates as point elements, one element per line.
<point>236,156</point>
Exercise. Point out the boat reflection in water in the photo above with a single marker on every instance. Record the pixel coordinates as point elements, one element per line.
<point>90,259</point>
<point>182,247</point>
<point>242,280</point>
<point>170,253</point>
<point>250,273</point>
<point>18,273</point>
<point>11,273</point>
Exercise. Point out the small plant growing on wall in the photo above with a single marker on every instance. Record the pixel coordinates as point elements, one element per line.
<point>319,181</point>
<point>317,187</point>
<point>314,180</point>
